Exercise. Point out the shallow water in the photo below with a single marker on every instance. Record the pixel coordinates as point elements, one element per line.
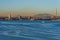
<point>29,30</point>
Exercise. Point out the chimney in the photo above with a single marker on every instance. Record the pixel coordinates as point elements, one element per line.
<point>9,17</point>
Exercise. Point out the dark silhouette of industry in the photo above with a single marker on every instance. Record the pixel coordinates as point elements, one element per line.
<point>44,16</point>
<point>40,16</point>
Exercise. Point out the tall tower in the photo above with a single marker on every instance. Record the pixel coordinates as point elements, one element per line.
<point>9,16</point>
<point>56,11</point>
<point>56,14</point>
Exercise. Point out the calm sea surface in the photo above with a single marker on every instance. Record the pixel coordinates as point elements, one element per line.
<point>29,30</point>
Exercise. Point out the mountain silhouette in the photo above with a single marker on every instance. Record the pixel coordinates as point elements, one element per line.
<point>45,15</point>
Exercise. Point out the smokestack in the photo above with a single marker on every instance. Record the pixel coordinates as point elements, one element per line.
<point>56,11</point>
<point>9,16</point>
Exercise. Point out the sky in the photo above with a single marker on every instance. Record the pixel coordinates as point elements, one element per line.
<point>29,7</point>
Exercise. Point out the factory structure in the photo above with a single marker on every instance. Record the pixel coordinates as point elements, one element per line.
<point>15,17</point>
<point>36,17</point>
<point>44,16</point>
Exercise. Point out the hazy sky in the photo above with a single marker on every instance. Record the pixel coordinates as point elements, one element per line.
<point>29,6</point>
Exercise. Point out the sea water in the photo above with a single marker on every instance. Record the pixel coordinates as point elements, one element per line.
<point>29,30</point>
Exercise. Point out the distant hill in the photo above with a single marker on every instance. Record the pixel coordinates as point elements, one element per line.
<point>45,15</point>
